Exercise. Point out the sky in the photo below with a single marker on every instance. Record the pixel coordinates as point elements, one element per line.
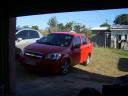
<point>88,18</point>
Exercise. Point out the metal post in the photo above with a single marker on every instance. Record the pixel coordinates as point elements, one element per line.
<point>105,40</point>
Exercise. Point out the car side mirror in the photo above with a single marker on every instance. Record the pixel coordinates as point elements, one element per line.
<point>19,39</point>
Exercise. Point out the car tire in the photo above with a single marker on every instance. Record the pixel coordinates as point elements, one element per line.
<point>87,62</point>
<point>65,67</point>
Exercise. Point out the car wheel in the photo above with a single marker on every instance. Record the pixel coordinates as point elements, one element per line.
<point>87,61</point>
<point>17,53</point>
<point>65,67</point>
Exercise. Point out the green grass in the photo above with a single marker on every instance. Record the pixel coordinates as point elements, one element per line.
<point>107,61</point>
<point>120,52</point>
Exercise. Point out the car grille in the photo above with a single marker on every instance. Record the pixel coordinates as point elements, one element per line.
<point>34,55</point>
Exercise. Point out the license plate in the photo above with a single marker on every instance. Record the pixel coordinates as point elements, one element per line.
<point>30,62</point>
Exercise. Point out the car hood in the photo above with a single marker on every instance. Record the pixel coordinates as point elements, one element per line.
<point>45,49</point>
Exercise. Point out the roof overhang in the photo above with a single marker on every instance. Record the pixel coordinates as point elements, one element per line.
<point>100,28</point>
<point>118,29</point>
<point>32,7</point>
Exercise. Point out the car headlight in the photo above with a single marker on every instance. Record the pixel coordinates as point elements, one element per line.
<point>53,56</point>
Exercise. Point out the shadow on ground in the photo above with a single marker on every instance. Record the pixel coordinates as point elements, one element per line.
<point>123,64</point>
<point>30,83</point>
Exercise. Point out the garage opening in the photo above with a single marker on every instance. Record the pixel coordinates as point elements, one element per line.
<point>105,65</point>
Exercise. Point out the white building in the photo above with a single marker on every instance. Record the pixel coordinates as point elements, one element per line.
<point>119,36</point>
<point>115,37</point>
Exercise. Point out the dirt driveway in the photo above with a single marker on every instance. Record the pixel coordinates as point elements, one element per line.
<point>106,65</point>
<point>30,83</point>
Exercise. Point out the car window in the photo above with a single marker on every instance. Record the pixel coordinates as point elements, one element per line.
<point>76,41</point>
<point>83,40</point>
<point>22,34</point>
<point>33,34</point>
<point>56,39</point>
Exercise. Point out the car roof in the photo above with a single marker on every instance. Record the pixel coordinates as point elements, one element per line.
<point>29,29</point>
<point>25,29</point>
<point>68,33</point>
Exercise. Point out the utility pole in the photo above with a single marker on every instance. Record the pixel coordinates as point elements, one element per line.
<point>105,39</point>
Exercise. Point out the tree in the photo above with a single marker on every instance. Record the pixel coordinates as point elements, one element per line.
<point>44,32</point>
<point>35,27</point>
<point>105,25</point>
<point>52,24</point>
<point>61,27</point>
<point>77,28</point>
<point>83,29</point>
<point>68,26</point>
<point>26,26</point>
<point>89,33</point>
<point>121,19</point>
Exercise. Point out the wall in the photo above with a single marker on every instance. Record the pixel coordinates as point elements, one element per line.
<point>115,38</point>
<point>7,60</point>
<point>98,38</point>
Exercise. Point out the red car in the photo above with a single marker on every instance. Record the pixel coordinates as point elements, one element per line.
<point>57,52</point>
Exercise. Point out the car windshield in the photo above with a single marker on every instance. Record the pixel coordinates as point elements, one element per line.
<point>56,39</point>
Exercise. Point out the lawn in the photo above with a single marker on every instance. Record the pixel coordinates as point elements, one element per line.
<point>107,61</point>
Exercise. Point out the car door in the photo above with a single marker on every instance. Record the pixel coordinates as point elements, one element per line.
<point>23,35</point>
<point>75,52</point>
<point>84,49</point>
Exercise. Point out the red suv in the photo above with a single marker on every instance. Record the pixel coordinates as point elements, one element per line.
<point>57,52</point>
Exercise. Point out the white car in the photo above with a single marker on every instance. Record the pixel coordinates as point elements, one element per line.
<point>26,37</point>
